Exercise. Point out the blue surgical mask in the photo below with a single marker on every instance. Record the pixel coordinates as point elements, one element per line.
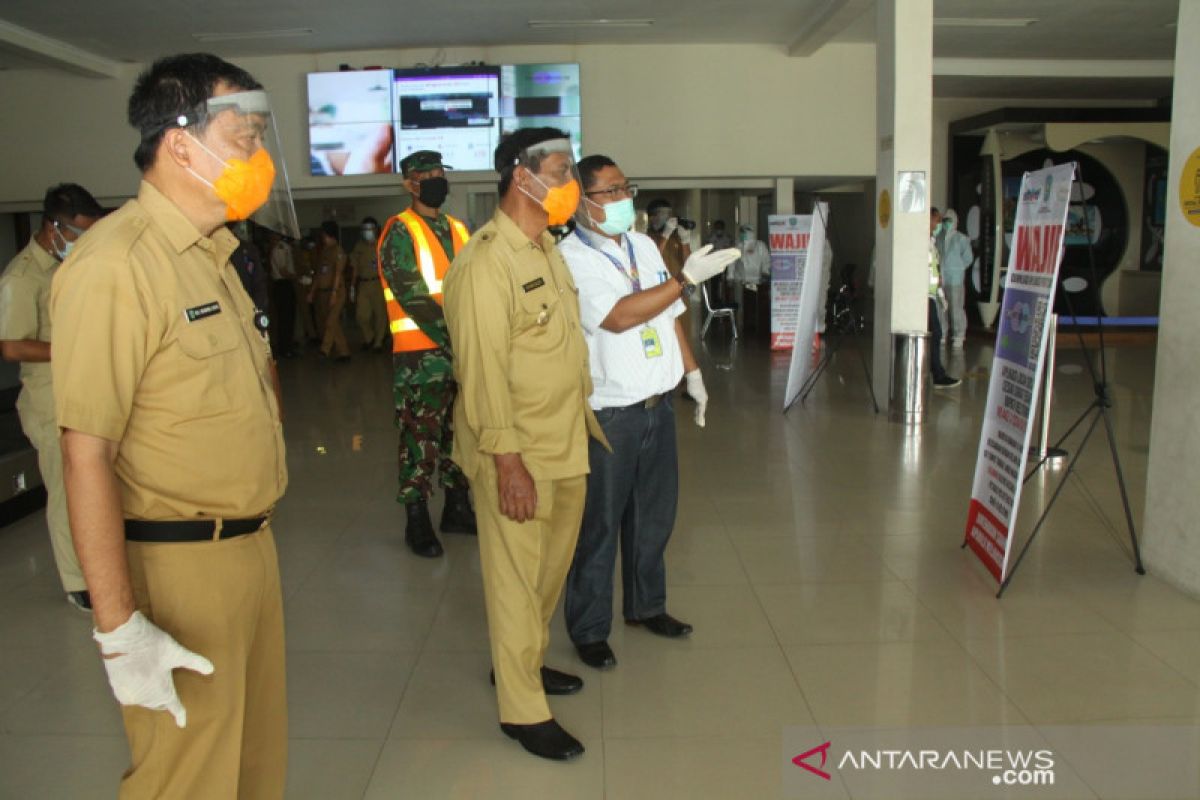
<point>618,217</point>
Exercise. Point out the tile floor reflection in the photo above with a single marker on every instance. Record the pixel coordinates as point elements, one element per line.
<point>816,553</point>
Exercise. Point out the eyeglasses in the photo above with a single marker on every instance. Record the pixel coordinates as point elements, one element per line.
<point>629,190</point>
<point>60,225</point>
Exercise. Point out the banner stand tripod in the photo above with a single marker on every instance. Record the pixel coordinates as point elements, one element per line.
<point>1097,410</point>
<point>845,327</point>
<point>844,324</point>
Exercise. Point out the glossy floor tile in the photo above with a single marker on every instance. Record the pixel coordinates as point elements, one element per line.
<point>817,553</point>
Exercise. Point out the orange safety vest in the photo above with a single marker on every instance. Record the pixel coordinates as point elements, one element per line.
<point>407,336</point>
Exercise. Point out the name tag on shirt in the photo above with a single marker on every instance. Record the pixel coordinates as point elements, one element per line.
<point>534,284</point>
<point>200,312</point>
<point>651,344</point>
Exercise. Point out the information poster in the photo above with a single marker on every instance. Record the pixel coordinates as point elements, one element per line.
<point>789,242</point>
<point>808,300</point>
<point>1009,416</point>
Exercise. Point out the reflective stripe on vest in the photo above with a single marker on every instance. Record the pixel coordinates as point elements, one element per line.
<point>432,261</point>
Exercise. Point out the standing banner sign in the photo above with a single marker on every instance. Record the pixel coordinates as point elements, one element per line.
<point>1024,322</point>
<point>809,302</point>
<point>788,239</point>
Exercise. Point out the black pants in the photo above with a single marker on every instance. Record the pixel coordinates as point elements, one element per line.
<point>935,342</point>
<point>283,317</point>
<point>632,494</point>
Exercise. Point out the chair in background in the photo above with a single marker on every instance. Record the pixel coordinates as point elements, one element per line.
<point>727,311</point>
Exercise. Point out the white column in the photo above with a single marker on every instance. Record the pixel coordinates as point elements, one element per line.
<point>904,109</point>
<point>1170,545</point>
<point>785,196</point>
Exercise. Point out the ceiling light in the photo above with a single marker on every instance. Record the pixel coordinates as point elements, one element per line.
<point>229,36</point>
<point>983,22</point>
<point>546,24</point>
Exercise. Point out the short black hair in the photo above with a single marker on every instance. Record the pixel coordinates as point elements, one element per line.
<point>370,221</point>
<point>718,223</point>
<point>655,205</point>
<point>589,166</point>
<point>511,146</point>
<point>67,201</point>
<point>175,86</point>
<point>330,229</point>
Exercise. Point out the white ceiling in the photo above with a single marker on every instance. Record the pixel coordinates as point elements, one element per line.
<point>1097,30</point>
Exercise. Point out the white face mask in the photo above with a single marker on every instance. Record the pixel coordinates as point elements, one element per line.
<point>67,246</point>
<point>368,234</point>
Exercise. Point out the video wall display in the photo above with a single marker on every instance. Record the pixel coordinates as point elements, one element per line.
<point>365,122</point>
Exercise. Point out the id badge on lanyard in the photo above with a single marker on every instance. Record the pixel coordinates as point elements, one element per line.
<point>651,344</point>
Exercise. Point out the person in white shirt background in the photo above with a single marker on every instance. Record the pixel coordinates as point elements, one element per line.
<point>954,249</point>
<point>753,269</point>
<point>638,351</point>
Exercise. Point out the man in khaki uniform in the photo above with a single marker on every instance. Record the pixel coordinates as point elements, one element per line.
<point>370,310</point>
<point>67,212</point>
<point>329,291</point>
<point>522,420</point>
<point>173,447</point>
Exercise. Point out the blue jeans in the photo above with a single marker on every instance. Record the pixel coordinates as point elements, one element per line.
<point>632,494</point>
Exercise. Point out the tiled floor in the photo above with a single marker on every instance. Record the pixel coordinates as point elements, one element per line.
<point>817,554</point>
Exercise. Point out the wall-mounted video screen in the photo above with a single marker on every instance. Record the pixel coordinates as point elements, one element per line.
<point>350,122</point>
<point>366,122</point>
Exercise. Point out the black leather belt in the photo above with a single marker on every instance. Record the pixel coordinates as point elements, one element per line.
<point>649,402</point>
<point>197,530</point>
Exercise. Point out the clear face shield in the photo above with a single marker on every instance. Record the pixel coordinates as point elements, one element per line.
<point>246,169</point>
<point>554,179</point>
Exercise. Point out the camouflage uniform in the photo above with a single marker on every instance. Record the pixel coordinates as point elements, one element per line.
<point>423,384</point>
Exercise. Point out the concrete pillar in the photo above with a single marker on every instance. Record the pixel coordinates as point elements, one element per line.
<point>1170,540</point>
<point>785,196</point>
<point>904,114</point>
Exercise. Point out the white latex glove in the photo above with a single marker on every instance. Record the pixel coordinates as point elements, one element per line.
<point>670,227</point>
<point>141,657</point>
<point>695,388</point>
<point>704,263</point>
<point>685,236</point>
<point>353,293</point>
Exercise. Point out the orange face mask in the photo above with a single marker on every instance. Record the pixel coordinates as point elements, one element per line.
<point>560,202</point>
<point>244,185</point>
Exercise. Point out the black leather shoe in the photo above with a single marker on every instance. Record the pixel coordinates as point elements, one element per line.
<point>553,681</point>
<point>546,739</point>
<point>418,533</point>
<point>457,516</point>
<point>663,625</point>
<point>597,655</point>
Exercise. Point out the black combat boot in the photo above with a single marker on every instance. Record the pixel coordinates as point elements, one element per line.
<point>418,534</point>
<point>457,516</point>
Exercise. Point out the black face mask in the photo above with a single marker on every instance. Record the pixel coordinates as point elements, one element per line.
<point>433,191</point>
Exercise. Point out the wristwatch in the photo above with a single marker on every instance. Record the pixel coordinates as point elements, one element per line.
<point>687,286</point>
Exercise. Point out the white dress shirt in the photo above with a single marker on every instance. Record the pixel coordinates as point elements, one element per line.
<point>622,372</point>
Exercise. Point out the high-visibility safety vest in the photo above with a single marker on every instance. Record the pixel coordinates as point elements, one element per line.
<point>433,263</point>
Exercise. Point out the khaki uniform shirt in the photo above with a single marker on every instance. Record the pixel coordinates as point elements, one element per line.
<point>155,348</point>
<point>25,314</point>
<point>330,263</point>
<point>362,261</point>
<point>519,355</point>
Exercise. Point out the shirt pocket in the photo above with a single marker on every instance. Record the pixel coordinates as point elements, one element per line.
<point>209,365</point>
<point>538,321</point>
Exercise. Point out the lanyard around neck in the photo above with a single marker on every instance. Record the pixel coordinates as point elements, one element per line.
<point>631,274</point>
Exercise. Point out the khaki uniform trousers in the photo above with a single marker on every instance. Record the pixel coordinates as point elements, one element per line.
<point>371,314</point>
<point>220,599</point>
<point>43,433</point>
<point>524,567</point>
<point>329,311</point>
